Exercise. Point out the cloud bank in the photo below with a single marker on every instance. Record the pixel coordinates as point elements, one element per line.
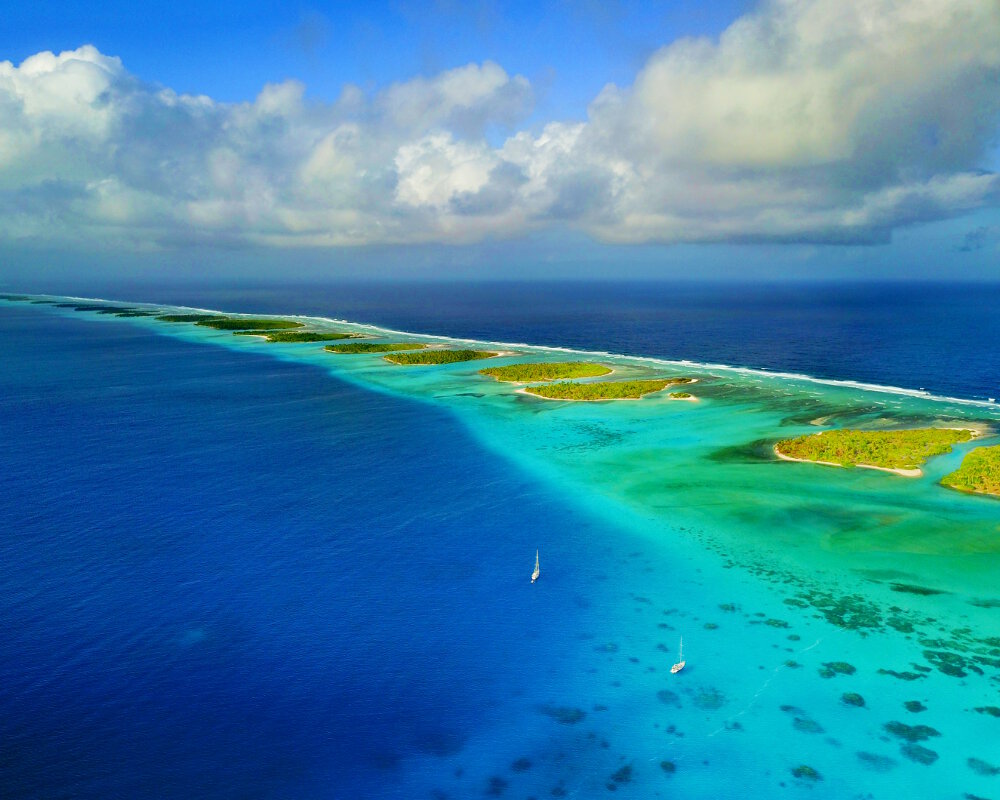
<point>820,121</point>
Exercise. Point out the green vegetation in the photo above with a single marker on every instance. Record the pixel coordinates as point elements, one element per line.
<point>438,356</point>
<point>187,317</point>
<point>887,449</point>
<point>681,395</point>
<point>602,390</point>
<point>247,323</point>
<point>522,373</point>
<point>979,472</point>
<point>374,347</point>
<point>103,309</point>
<point>297,336</point>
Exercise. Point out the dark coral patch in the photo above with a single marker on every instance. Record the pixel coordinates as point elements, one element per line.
<point>993,711</point>
<point>668,697</point>
<point>852,699</point>
<point>981,767</point>
<point>921,755</point>
<point>806,725</point>
<point>831,669</point>
<point>709,699</point>
<point>668,766</point>
<point>623,775</point>
<point>915,706</point>
<point>521,765</point>
<point>496,786</point>
<point>910,589</point>
<point>903,676</point>
<point>911,733</point>
<point>806,773</point>
<point>564,715</point>
<point>877,762</point>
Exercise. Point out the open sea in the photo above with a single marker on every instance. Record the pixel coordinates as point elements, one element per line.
<point>237,569</point>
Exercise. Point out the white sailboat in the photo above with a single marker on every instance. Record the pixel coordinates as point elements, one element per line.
<point>680,664</point>
<point>537,572</point>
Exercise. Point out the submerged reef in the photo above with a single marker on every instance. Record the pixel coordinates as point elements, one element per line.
<point>546,371</point>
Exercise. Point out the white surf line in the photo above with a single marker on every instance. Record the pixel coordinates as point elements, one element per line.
<point>777,670</point>
<point>755,372</point>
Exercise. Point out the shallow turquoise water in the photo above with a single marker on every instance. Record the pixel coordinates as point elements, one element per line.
<point>756,562</point>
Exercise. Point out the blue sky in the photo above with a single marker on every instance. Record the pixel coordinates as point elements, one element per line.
<point>230,50</point>
<point>822,138</point>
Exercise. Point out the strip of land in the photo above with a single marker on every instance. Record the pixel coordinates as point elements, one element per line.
<point>438,357</point>
<point>248,323</point>
<point>547,371</point>
<point>298,336</point>
<point>979,472</point>
<point>902,452</point>
<point>374,347</point>
<point>187,317</point>
<point>602,390</point>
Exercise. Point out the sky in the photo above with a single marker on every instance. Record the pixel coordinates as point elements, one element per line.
<point>846,139</point>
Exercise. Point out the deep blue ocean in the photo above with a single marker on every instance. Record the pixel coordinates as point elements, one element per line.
<point>228,576</point>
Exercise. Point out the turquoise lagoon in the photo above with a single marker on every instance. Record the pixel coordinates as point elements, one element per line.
<point>792,584</point>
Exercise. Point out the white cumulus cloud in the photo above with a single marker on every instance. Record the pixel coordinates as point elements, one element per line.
<point>805,120</point>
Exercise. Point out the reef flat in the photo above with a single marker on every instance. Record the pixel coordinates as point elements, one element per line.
<point>546,371</point>
<point>900,451</point>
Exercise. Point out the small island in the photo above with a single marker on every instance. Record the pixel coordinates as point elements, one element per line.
<point>438,357</point>
<point>187,317</point>
<point>373,347</point>
<point>979,473</point>
<point>683,396</point>
<point>902,452</point>
<point>603,390</point>
<point>551,371</point>
<point>247,323</point>
<point>297,336</point>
